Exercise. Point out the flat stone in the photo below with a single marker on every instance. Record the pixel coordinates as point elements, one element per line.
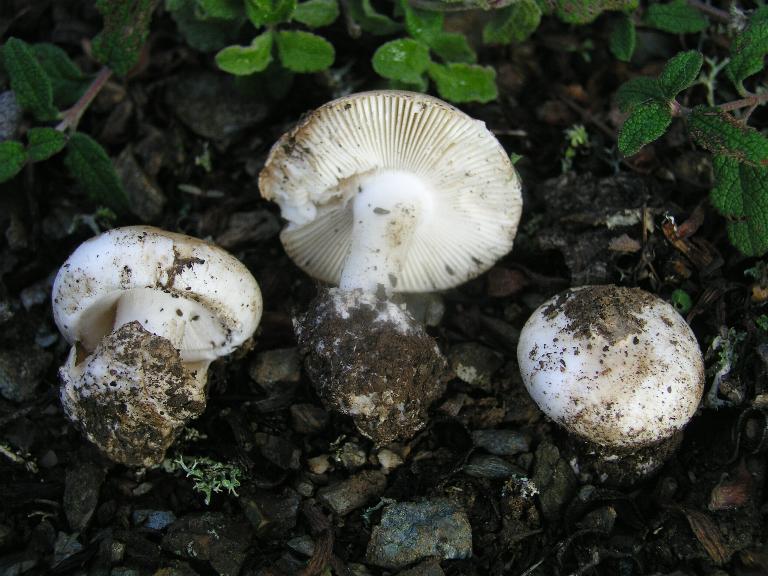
<point>145,197</point>
<point>308,418</point>
<point>554,478</point>
<point>411,531</point>
<point>426,568</point>
<point>474,364</point>
<point>271,512</point>
<point>273,366</point>
<point>154,520</point>
<point>82,483</point>
<point>501,442</point>
<point>10,115</point>
<point>21,371</point>
<point>353,492</point>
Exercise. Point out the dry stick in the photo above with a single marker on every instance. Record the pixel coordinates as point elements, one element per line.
<point>711,11</point>
<point>71,117</point>
<point>321,528</point>
<point>751,101</point>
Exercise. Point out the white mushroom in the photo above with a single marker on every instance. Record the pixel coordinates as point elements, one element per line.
<point>392,190</point>
<point>147,311</point>
<point>617,367</point>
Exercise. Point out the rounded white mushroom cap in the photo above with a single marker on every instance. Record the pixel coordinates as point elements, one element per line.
<point>467,193</point>
<point>616,366</point>
<point>197,295</point>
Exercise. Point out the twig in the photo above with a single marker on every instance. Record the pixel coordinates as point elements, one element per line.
<point>322,530</point>
<point>751,101</point>
<point>711,11</point>
<point>71,117</point>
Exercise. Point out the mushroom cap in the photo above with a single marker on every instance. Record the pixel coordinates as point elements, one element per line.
<point>616,366</point>
<point>313,172</point>
<point>174,277</point>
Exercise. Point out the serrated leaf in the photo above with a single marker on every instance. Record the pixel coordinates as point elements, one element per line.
<point>12,158</point>
<point>205,35</point>
<point>29,81</point>
<point>224,9</point>
<point>748,52</point>
<point>453,47</point>
<point>67,80</point>
<point>637,91</point>
<point>741,195</point>
<point>365,15</point>
<point>623,38</point>
<point>680,73</point>
<point>585,11</point>
<point>404,60</point>
<point>464,82</point>
<point>646,123</point>
<point>90,166</point>
<point>722,134</point>
<point>266,12</point>
<point>676,17</point>
<point>126,27</point>
<point>515,23</point>
<point>245,60</point>
<point>304,52</point>
<point>44,143</point>
<point>316,13</point>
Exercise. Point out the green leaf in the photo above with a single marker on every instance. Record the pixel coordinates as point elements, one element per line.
<point>646,123</point>
<point>266,12</point>
<point>44,143</point>
<point>67,80</point>
<point>722,134</point>
<point>12,158</point>
<point>623,38</point>
<point>515,23</point>
<point>421,86</point>
<point>453,47</point>
<point>741,195</point>
<point>244,60</point>
<point>29,81</point>
<point>224,9</point>
<point>303,51</point>
<point>637,91</point>
<point>422,24</point>
<point>365,15</point>
<point>464,82</point>
<point>90,166</point>
<point>404,60</point>
<point>680,73</point>
<point>316,13</point>
<point>585,11</point>
<point>126,27</point>
<point>748,52</point>
<point>676,17</point>
<point>203,34</point>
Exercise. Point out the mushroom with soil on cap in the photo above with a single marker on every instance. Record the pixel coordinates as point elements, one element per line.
<point>387,192</point>
<point>147,311</point>
<point>619,369</point>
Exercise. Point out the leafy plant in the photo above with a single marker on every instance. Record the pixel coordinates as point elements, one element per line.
<point>740,152</point>
<point>211,476</point>
<point>56,93</point>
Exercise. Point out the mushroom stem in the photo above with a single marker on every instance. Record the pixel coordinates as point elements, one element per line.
<point>387,209</point>
<point>187,324</point>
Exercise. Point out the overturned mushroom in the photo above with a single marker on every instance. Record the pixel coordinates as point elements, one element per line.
<point>387,192</point>
<point>617,367</point>
<point>147,311</point>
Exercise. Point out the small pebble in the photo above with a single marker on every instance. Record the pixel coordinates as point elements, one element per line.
<point>354,492</point>
<point>501,442</point>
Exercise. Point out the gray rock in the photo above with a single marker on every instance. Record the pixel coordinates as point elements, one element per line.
<point>248,228</point>
<point>490,466</point>
<point>474,364</point>
<point>211,106</point>
<point>10,115</point>
<point>554,478</point>
<point>412,531</point>
<point>273,366</point>
<point>21,371</point>
<point>66,545</point>
<point>82,483</point>
<point>354,492</point>
<point>303,545</point>
<point>281,452</point>
<point>502,442</point>
<point>155,520</point>
<point>426,568</point>
<point>308,418</point>
<point>145,197</point>
<point>427,308</point>
<point>271,513</point>
<point>217,538</point>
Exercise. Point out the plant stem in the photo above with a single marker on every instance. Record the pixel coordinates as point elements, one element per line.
<point>710,11</point>
<point>71,117</point>
<point>751,101</point>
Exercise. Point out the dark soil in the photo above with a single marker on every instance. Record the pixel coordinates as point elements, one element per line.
<point>312,488</point>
